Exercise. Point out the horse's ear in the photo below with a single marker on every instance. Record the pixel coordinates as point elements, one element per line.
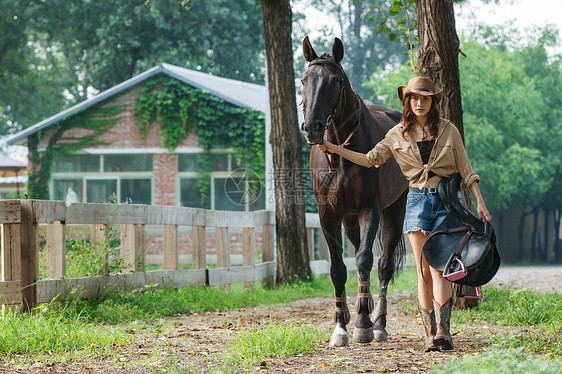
<point>308,51</point>
<point>337,50</point>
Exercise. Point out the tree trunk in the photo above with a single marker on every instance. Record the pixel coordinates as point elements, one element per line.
<point>438,60</point>
<point>521,249</point>
<point>438,54</point>
<point>285,139</point>
<point>355,37</point>
<point>546,233</point>
<point>557,251</point>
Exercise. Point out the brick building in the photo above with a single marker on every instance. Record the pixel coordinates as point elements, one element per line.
<point>143,171</point>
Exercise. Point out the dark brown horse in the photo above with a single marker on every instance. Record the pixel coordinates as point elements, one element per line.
<point>357,196</point>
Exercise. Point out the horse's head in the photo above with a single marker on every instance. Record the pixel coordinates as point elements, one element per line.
<point>322,93</point>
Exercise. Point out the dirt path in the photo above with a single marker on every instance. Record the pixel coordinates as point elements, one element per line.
<point>402,353</point>
<point>195,342</point>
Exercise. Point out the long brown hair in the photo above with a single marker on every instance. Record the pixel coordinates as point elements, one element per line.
<point>409,117</point>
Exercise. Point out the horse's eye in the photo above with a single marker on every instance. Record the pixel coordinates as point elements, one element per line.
<point>303,82</point>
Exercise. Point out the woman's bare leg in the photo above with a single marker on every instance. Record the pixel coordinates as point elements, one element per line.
<point>425,289</point>
<point>442,290</point>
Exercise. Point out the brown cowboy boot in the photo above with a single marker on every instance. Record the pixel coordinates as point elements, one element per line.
<point>428,319</point>
<point>443,336</point>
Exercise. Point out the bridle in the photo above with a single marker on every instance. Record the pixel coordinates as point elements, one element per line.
<point>337,109</point>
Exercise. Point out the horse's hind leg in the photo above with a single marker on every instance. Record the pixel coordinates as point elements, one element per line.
<point>368,224</point>
<point>331,228</point>
<point>393,218</point>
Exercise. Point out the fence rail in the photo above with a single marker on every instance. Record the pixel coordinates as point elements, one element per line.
<point>20,221</point>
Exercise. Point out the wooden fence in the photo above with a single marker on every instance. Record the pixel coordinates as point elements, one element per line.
<point>20,221</point>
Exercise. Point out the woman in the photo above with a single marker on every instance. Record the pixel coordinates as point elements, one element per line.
<point>426,148</point>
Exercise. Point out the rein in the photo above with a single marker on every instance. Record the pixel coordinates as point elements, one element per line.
<point>341,103</point>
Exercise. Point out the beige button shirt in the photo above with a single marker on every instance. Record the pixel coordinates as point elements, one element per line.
<point>447,156</point>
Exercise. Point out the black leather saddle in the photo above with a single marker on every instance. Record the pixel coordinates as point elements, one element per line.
<point>462,246</point>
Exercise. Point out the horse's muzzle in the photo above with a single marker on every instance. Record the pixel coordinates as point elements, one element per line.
<point>313,134</point>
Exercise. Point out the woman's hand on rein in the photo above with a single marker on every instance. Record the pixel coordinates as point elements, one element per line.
<point>324,146</point>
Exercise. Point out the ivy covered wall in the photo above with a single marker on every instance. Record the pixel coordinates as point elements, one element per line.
<point>180,115</point>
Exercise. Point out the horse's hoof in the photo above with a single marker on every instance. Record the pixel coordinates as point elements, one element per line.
<point>339,338</point>
<point>361,335</point>
<point>380,335</point>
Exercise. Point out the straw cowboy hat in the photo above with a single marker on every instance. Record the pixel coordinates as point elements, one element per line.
<point>420,86</point>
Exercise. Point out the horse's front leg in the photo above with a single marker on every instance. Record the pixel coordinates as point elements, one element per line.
<point>331,227</point>
<point>368,224</point>
<point>393,218</point>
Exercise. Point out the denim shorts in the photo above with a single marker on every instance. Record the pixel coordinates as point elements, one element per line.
<point>424,211</point>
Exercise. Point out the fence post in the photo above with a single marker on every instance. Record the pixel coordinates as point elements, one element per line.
<point>310,242</point>
<point>29,255</point>
<point>198,247</point>
<point>97,242</point>
<point>132,247</point>
<point>350,247</point>
<point>56,249</point>
<point>267,250</point>
<point>322,246</point>
<point>11,266</point>
<point>248,251</point>
<point>170,247</point>
<point>223,251</point>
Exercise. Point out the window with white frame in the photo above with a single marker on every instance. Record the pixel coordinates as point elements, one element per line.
<point>95,178</point>
<point>230,187</point>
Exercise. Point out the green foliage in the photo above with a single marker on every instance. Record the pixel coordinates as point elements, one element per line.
<point>543,339</point>
<point>383,84</point>
<point>85,260</point>
<point>399,22</point>
<point>501,306</point>
<point>511,91</point>
<point>365,49</point>
<point>55,53</point>
<point>47,330</point>
<point>30,76</point>
<point>157,301</point>
<point>181,109</point>
<point>499,361</point>
<point>274,340</point>
<point>97,120</point>
<point>509,120</point>
<point>113,40</point>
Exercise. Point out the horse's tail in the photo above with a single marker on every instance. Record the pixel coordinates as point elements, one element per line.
<point>399,251</point>
<point>399,254</point>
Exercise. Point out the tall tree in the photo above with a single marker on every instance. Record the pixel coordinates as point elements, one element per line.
<point>438,54</point>
<point>438,60</point>
<point>367,50</point>
<point>32,86</point>
<point>285,139</point>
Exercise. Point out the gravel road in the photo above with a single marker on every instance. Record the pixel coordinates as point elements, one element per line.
<point>539,278</point>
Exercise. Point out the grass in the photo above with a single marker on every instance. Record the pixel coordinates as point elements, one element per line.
<point>49,331</point>
<point>156,301</point>
<point>536,347</point>
<point>274,340</point>
<point>500,361</point>
<point>502,306</point>
<point>79,328</point>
